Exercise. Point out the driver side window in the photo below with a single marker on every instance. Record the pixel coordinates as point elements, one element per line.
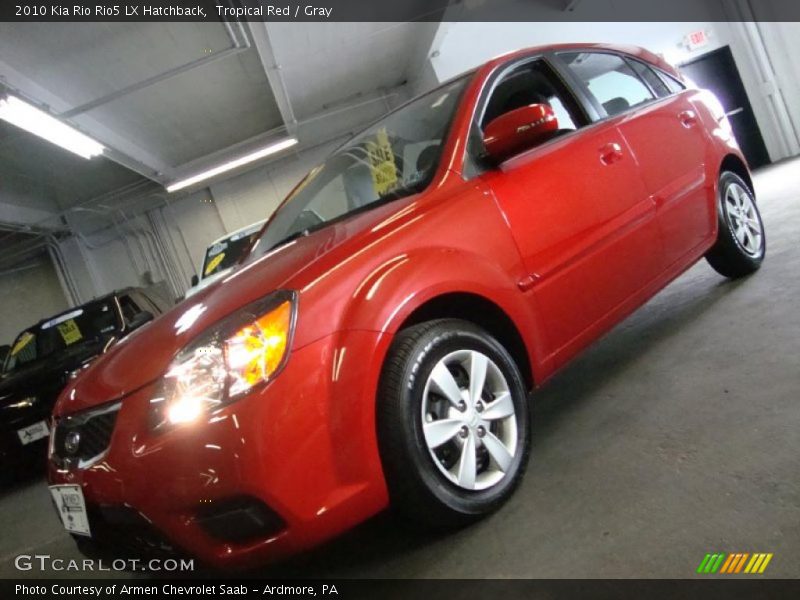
<point>531,83</point>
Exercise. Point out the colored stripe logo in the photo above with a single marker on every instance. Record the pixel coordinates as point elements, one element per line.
<point>735,563</point>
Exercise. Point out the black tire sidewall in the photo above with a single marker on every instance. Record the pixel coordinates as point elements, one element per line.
<point>726,231</point>
<point>429,350</point>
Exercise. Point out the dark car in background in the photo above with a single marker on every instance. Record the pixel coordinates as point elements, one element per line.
<point>42,358</point>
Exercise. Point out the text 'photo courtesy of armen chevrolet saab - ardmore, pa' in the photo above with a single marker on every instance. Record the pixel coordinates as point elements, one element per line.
<point>464,293</point>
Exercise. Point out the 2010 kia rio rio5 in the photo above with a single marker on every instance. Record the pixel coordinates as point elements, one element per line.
<point>378,344</point>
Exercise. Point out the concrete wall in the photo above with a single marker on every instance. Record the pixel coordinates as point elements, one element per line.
<point>27,295</point>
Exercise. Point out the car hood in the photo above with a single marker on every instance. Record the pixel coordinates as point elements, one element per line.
<point>144,355</point>
<point>45,377</point>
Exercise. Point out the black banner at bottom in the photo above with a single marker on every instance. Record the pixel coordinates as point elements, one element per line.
<point>386,589</point>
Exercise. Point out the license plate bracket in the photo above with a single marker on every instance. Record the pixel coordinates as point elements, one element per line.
<point>71,508</point>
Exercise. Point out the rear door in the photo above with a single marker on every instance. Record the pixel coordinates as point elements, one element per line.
<point>667,138</point>
<point>577,209</point>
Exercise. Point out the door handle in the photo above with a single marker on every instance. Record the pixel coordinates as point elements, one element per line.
<point>688,118</point>
<point>610,153</point>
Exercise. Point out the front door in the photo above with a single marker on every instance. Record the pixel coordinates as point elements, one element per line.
<point>579,213</point>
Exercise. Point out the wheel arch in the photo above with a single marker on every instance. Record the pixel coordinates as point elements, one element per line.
<point>737,165</point>
<point>479,311</point>
<point>438,282</point>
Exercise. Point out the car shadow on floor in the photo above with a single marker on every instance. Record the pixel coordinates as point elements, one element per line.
<point>386,536</point>
<point>651,325</point>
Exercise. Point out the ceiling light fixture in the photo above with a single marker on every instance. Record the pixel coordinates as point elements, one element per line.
<point>237,162</point>
<point>38,122</point>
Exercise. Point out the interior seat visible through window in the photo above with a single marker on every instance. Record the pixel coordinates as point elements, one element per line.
<point>610,79</point>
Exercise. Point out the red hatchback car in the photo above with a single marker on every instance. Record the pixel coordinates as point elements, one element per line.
<point>378,345</point>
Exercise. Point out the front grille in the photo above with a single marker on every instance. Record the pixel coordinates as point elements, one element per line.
<point>84,436</point>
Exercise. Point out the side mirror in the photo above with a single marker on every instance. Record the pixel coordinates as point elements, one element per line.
<point>194,280</point>
<point>140,319</point>
<point>518,130</point>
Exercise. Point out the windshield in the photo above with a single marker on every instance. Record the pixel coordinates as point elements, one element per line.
<point>92,322</point>
<point>394,158</point>
<point>226,253</point>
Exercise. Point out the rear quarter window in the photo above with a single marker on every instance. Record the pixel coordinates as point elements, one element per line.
<point>673,84</point>
<point>656,84</point>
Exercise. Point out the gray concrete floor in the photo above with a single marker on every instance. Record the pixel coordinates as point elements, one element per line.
<point>676,435</point>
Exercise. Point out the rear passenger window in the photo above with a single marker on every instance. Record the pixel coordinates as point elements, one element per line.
<point>609,79</point>
<point>653,80</point>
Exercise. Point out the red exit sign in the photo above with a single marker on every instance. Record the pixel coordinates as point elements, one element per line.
<point>696,39</point>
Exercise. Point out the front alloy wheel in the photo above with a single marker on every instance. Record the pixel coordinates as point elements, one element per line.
<point>469,421</point>
<point>453,423</point>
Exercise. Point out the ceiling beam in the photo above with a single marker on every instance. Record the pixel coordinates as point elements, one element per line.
<point>272,68</point>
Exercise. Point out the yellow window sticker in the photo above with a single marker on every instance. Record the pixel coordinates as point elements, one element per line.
<point>23,341</point>
<point>69,331</point>
<point>214,263</point>
<point>382,163</point>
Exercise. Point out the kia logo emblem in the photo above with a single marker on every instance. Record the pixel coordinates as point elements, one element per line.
<point>72,441</point>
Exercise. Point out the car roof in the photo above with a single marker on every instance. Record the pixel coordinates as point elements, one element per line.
<point>119,292</point>
<point>635,51</point>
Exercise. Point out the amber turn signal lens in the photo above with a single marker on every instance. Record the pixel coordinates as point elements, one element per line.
<point>257,350</point>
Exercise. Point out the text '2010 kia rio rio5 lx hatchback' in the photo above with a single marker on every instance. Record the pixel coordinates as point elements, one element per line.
<point>378,344</point>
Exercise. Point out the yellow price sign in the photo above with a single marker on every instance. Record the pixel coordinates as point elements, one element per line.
<point>213,263</point>
<point>23,341</point>
<point>382,163</point>
<point>70,332</point>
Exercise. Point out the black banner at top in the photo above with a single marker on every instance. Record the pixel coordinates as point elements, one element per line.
<point>398,10</point>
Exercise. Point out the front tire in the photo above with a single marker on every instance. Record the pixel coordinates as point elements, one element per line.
<point>741,241</point>
<point>453,423</point>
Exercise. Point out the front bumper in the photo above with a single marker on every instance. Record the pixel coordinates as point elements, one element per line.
<point>299,456</point>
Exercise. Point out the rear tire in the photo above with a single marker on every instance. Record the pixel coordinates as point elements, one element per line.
<point>453,423</point>
<point>741,240</point>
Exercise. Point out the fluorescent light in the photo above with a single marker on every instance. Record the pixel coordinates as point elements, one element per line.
<point>237,162</point>
<point>47,127</point>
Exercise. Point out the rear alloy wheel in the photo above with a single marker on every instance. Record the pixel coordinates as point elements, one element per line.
<point>741,241</point>
<point>452,423</point>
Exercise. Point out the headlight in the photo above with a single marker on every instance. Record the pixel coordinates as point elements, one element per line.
<point>236,355</point>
